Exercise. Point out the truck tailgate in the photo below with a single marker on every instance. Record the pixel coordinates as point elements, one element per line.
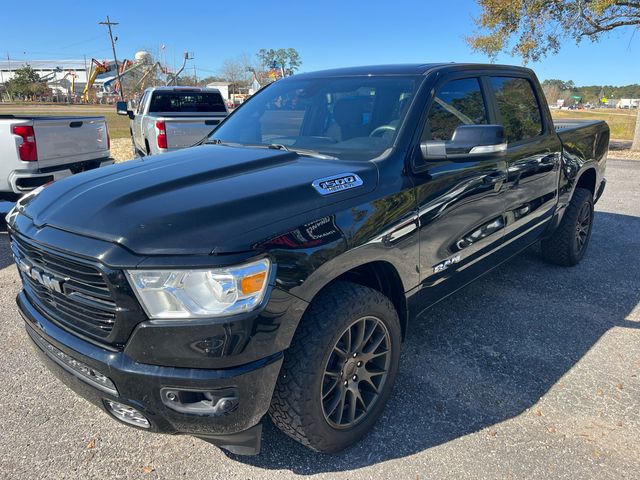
<point>62,140</point>
<point>187,131</point>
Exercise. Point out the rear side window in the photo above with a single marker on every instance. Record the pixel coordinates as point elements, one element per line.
<point>518,108</point>
<point>458,102</point>
<point>177,102</point>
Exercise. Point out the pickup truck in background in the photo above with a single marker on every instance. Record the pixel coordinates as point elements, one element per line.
<point>170,118</point>
<point>37,150</point>
<point>278,267</point>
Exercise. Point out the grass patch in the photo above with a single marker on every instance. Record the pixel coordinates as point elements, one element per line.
<point>622,123</point>
<point>118,124</point>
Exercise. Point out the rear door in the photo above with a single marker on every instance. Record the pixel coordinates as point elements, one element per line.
<point>461,204</point>
<point>64,140</point>
<point>533,157</point>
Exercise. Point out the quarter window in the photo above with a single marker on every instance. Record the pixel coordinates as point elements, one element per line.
<point>518,108</point>
<point>458,102</point>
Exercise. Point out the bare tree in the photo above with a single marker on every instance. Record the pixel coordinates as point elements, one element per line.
<point>234,71</point>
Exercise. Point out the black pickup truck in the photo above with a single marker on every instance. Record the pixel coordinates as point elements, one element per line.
<point>277,267</point>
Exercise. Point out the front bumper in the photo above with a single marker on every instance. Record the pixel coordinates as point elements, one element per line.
<point>148,388</point>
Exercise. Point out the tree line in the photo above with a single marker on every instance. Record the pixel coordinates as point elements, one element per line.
<point>555,89</point>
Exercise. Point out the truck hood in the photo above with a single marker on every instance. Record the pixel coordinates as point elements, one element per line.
<point>193,201</point>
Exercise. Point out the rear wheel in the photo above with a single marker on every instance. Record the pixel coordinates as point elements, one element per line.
<point>568,244</point>
<point>340,369</point>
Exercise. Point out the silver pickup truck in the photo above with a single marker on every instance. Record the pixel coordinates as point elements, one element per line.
<point>35,150</point>
<point>170,118</point>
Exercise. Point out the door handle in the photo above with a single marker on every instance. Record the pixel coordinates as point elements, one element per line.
<point>494,178</point>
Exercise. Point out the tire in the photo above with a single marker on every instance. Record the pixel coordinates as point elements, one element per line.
<point>313,373</point>
<point>568,244</point>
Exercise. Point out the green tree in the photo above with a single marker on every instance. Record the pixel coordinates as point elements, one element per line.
<point>287,58</point>
<point>532,29</point>
<point>26,83</point>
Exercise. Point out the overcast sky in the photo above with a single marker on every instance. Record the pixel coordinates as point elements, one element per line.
<point>327,34</point>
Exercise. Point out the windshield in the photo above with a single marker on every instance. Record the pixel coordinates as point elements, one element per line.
<point>344,117</point>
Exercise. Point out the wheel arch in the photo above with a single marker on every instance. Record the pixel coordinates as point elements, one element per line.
<point>587,179</point>
<point>380,275</point>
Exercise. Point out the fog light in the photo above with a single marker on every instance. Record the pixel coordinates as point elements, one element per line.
<point>127,414</point>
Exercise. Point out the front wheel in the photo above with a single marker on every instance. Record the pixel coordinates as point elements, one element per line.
<point>569,242</point>
<point>340,369</point>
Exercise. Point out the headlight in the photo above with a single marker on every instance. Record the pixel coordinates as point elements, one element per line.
<point>201,293</point>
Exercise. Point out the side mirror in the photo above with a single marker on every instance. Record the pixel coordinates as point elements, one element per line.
<point>123,109</point>
<point>467,140</point>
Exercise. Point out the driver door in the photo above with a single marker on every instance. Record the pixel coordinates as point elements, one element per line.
<point>137,123</point>
<point>461,203</point>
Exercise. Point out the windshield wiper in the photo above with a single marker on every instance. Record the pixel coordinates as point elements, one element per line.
<point>273,146</point>
<point>301,151</point>
<point>278,146</point>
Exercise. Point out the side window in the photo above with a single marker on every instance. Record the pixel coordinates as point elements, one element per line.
<point>458,102</point>
<point>518,108</point>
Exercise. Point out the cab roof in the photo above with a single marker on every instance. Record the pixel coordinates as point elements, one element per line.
<point>401,69</point>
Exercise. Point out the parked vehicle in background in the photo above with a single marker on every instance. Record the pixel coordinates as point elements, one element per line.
<point>37,150</point>
<point>279,266</point>
<point>170,118</point>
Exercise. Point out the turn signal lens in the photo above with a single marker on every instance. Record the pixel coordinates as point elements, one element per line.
<point>253,283</point>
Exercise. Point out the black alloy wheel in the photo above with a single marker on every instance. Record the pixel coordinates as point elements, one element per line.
<point>356,372</point>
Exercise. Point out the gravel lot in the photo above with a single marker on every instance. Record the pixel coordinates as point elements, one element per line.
<point>531,372</point>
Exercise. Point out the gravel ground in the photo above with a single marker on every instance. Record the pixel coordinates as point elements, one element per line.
<point>121,149</point>
<point>622,149</point>
<point>531,372</point>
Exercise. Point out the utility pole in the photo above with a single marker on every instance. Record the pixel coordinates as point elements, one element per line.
<point>109,23</point>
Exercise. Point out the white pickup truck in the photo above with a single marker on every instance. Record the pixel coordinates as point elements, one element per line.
<point>170,118</point>
<point>36,150</point>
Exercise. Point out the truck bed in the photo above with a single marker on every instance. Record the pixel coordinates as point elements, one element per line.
<point>589,139</point>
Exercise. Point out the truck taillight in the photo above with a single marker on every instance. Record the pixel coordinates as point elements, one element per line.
<point>162,134</point>
<point>27,151</point>
<point>108,138</point>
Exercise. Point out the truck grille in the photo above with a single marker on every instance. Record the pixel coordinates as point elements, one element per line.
<point>79,298</point>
